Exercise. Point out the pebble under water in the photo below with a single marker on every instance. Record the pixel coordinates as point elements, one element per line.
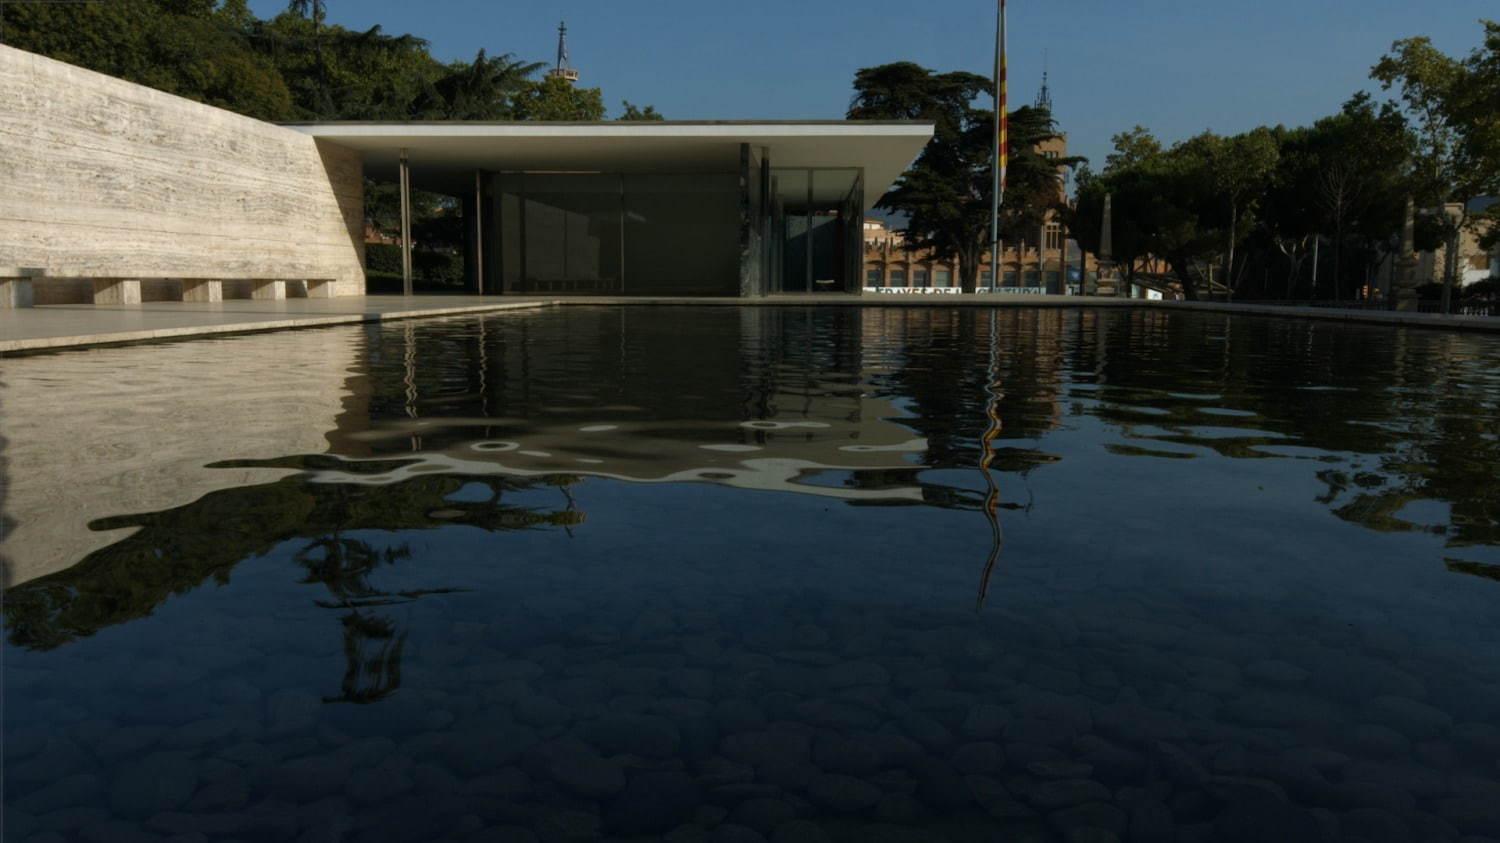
<point>757,574</point>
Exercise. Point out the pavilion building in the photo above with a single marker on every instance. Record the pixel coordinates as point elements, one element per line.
<point>117,193</point>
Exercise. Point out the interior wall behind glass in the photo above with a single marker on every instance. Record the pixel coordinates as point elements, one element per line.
<point>827,251</point>
<point>832,269</point>
<point>506,249</point>
<point>791,187</point>
<point>572,229</point>
<point>682,233</point>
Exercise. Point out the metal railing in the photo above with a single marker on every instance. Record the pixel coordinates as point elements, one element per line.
<point>1460,307</point>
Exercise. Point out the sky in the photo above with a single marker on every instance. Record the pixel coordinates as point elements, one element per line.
<point>1177,67</point>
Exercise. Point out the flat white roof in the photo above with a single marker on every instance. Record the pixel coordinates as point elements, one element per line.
<point>444,155</point>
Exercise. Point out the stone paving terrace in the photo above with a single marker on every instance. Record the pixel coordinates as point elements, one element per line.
<point>64,326</point>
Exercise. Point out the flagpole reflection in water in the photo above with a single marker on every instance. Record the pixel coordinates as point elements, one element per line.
<point>986,459</point>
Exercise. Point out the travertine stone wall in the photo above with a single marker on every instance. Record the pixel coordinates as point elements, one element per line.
<point>101,178</point>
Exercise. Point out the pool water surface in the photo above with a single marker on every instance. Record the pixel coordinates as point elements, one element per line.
<point>745,574</point>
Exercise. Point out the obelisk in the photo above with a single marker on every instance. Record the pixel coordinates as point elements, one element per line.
<point>1406,262</point>
<point>1109,282</point>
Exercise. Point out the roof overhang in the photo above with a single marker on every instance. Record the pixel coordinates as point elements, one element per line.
<point>444,155</point>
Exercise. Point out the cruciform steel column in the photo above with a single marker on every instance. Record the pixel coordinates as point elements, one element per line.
<point>405,225</point>
<point>478,232</point>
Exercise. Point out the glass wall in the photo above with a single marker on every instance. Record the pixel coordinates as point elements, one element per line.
<point>682,234</point>
<point>612,233</point>
<point>571,233</point>
<point>790,191</point>
<point>816,230</point>
<point>759,230</point>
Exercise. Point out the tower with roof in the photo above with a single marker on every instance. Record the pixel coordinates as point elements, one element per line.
<point>562,71</point>
<point>1044,96</point>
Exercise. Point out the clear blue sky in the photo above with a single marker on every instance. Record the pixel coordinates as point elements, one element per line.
<point>1174,66</point>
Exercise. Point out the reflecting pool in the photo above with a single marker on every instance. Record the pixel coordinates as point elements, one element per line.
<point>753,573</point>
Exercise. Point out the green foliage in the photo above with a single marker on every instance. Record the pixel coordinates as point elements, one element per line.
<point>184,48</point>
<point>1452,103</point>
<point>1455,107</point>
<point>634,113</point>
<point>555,98</point>
<point>384,258</point>
<point>432,269</point>
<point>1131,148</point>
<point>294,66</point>
<point>485,89</point>
<point>1254,208</point>
<point>438,268</point>
<point>946,194</point>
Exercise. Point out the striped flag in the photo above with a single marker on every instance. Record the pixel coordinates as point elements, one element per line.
<point>1002,144</point>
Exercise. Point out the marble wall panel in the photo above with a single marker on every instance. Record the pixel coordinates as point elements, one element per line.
<point>102,178</point>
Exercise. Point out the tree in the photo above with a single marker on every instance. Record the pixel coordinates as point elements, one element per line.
<point>555,98</point>
<point>1240,167</point>
<point>486,89</point>
<point>1167,205</point>
<point>1162,202</point>
<point>1131,148</point>
<point>352,75</point>
<point>634,113</point>
<point>1290,223</point>
<point>183,48</point>
<point>946,194</point>
<point>1452,102</point>
<point>315,11</point>
<point>1359,187</point>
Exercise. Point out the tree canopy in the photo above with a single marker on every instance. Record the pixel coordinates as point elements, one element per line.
<point>293,66</point>
<point>946,194</point>
<point>555,98</point>
<point>1454,105</point>
<point>1249,211</point>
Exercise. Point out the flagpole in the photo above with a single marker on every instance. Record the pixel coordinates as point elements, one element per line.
<point>1001,151</point>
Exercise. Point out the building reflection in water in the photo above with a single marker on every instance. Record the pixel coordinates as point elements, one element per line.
<point>379,427</point>
<point>795,401</point>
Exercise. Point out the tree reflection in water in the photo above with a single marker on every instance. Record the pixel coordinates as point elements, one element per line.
<point>177,550</point>
<point>369,678</point>
<point>343,566</point>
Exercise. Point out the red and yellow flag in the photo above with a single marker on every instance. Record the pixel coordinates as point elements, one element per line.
<point>1002,143</point>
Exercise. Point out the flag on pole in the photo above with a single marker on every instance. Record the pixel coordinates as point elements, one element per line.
<point>1002,146</point>
<point>1002,142</point>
